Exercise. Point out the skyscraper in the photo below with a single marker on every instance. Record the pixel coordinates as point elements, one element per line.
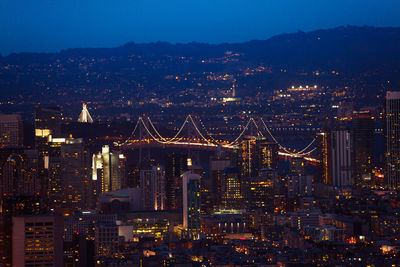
<point>231,193</point>
<point>48,126</point>
<point>18,172</point>
<point>217,166</point>
<point>37,240</point>
<point>47,122</point>
<point>76,182</point>
<point>267,154</point>
<point>324,155</point>
<point>108,169</point>
<point>191,204</point>
<point>392,138</point>
<point>14,206</point>
<point>363,147</point>
<point>11,130</point>
<point>152,185</point>
<point>248,157</point>
<point>175,166</point>
<point>256,154</point>
<point>341,158</point>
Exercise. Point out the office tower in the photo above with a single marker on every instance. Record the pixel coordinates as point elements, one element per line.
<point>363,147</point>
<point>18,172</point>
<point>11,130</point>
<point>118,170</point>
<point>84,222</point>
<point>298,186</point>
<point>14,206</point>
<point>191,204</point>
<point>324,155</point>
<point>76,183</point>
<point>108,169</point>
<point>231,193</point>
<point>37,241</point>
<point>217,166</point>
<point>47,122</point>
<point>256,154</point>
<point>51,171</point>
<point>152,185</point>
<point>175,166</point>
<point>297,166</point>
<point>47,126</point>
<point>267,154</point>
<point>106,239</point>
<point>259,194</point>
<point>248,157</point>
<point>392,138</point>
<point>80,252</point>
<point>341,158</point>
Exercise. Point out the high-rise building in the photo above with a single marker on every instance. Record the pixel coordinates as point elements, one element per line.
<point>37,241</point>
<point>11,130</point>
<point>248,157</point>
<point>341,158</point>
<point>108,169</point>
<point>48,127</point>
<point>217,166</point>
<point>267,154</point>
<point>298,186</point>
<point>256,154</point>
<point>259,193</point>
<point>14,206</point>
<point>76,183</point>
<point>152,185</point>
<point>106,239</point>
<point>191,204</point>
<point>325,155</point>
<point>232,195</point>
<point>47,122</point>
<point>392,138</point>
<point>363,147</point>
<point>175,166</point>
<point>18,172</point>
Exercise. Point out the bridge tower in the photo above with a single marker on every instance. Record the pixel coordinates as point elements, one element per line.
<point>193,135</point>
<point>144,137</point>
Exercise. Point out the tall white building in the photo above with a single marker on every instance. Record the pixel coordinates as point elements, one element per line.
<point>108,169</point>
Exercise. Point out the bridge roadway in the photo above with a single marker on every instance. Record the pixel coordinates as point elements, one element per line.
<point>197,145</point>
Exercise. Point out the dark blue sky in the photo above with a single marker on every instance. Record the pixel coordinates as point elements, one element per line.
<point>44,25</point>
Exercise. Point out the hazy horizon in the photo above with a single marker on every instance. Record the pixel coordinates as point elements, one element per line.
<point>50,26</point>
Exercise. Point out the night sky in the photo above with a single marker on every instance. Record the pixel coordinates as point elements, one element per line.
<point>47,26</point>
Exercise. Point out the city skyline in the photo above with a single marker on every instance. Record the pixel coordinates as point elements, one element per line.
<point>276,152</point>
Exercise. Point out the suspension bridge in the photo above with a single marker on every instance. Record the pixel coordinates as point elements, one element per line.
<point>192,136</point>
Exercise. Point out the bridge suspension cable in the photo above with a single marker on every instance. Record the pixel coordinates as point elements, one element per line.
<point>126,141</point>
<point>189,119</point>
<point>282,147</point>
<point>243,131</point>
<point>198,131</point>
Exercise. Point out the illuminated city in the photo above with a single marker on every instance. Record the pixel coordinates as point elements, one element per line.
<point>127,144</point>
